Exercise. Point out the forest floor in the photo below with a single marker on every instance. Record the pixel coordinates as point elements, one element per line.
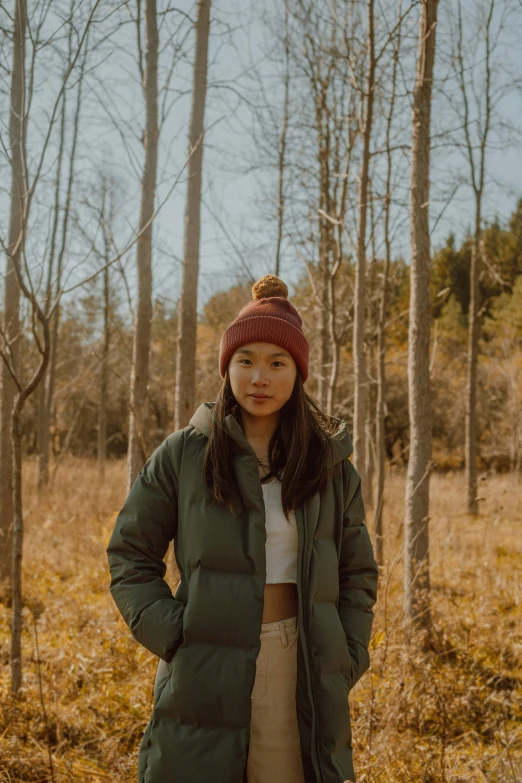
<point>450,713</point>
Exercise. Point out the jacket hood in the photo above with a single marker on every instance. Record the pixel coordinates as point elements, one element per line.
<point>341,441</point>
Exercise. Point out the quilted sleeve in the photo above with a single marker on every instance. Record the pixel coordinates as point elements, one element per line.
<point>139,542</point>
<point>357,574</point>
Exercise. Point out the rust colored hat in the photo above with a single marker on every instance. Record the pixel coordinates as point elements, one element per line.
<point>269,318</point>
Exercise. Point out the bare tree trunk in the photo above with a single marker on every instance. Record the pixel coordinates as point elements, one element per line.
<point>11,326</point>
<point>471,374</point>
<point>360,381</point>
<point>325,239</point>
<point>38,320</point>
<point>323,265</point>
<point>12,416</point>
<point>380,404</point>
<point>16,554</point>
<point>476,155</point>
<point>380,450</point>
<point>104,367</point>
<point>327,69</point>
<point>371,315</point>
<point>138,448</point>
<point>369,431</point>
<point>187,308</point>
<point>16,445</point>
<point>416,530</point>
<point>42,417</point>
<point>324,328</point>
<point>49,384</point>
<point>334,340</point>
<point>380,445</point>
<point>282,149</point>
<point>50,377</point>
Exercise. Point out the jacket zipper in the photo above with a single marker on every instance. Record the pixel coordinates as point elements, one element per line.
<point>307,651</point>
<point>261,618</point>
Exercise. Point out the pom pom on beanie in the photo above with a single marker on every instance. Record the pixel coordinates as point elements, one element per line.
<point>269,285</point>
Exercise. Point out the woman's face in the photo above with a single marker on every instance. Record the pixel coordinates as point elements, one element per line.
<point>262,369</point>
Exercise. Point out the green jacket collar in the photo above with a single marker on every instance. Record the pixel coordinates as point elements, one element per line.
<point>341,442</point>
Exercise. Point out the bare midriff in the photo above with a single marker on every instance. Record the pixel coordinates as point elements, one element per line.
<point>280,602</point>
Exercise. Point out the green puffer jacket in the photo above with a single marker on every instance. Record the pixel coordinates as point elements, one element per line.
<point>207,635</point>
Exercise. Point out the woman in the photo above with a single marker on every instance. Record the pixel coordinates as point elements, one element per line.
<point>270,624</point>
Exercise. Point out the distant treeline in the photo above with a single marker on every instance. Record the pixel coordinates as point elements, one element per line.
<point>74,420</point>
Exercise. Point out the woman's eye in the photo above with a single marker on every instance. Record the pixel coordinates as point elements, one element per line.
<point>248,360</point>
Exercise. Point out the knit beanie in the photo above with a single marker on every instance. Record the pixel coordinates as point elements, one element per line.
<point>270,318</point>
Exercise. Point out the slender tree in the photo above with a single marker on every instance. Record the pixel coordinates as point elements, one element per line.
<point>138,447</point>
<point>281,162</point>
<point>416,530</point>
<point>370,341</point>
<point>106,338</point>
<point>380,449</point>
<point>46,389</point>
<point>101,204</point>
<point>25,383</point>
<point>42,417</point>
<point>15,247</point>
<point>477,42</point>
<point>15,257</point>
<point>324,174</point>
<point>187,308</point>
<point>359,359</point>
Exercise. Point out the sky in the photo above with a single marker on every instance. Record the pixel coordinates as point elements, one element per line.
<point>231,238</point>
<point>233,194</point>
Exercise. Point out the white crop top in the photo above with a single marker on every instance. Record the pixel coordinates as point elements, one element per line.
<point>281,537</point>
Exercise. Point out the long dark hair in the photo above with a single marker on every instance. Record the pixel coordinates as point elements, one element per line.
<point>299,451</point>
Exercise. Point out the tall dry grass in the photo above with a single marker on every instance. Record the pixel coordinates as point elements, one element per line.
<point>448,714</point>
<point>452,713</point>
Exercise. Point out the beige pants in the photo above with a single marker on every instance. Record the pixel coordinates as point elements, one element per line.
<point>274,754</point>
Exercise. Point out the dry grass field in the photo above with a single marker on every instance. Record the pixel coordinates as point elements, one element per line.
<point>452,714</point>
